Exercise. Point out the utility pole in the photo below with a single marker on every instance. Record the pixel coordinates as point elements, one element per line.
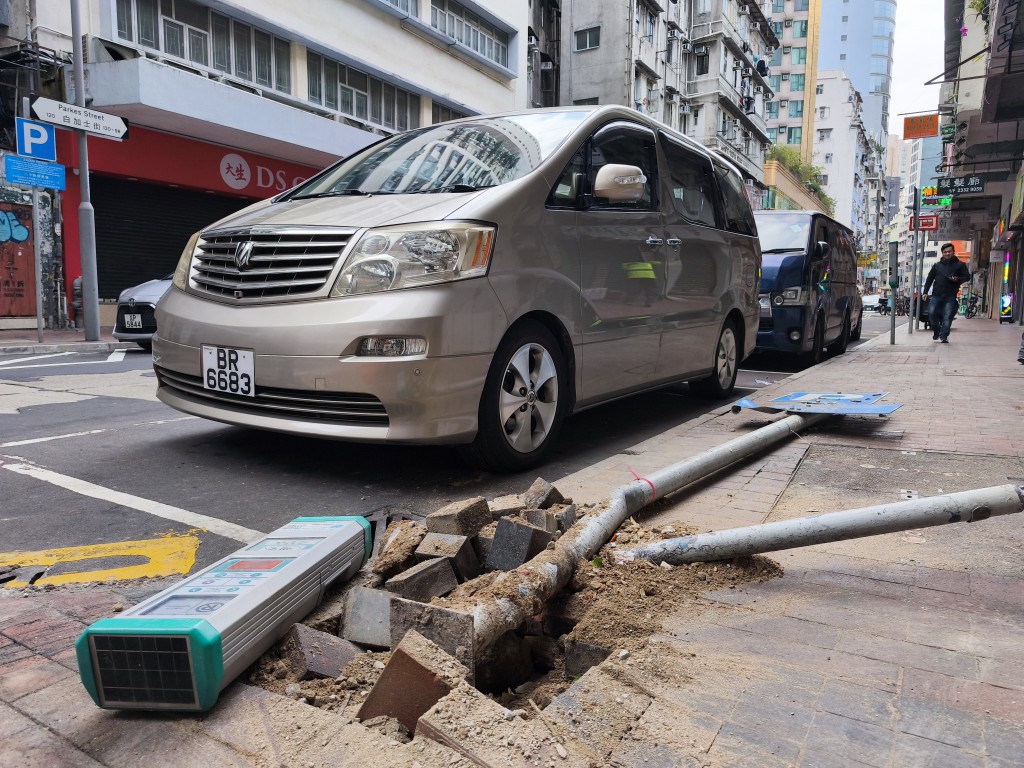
<point>913,260</point>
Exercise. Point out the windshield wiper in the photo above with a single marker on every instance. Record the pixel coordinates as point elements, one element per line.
<point>782,250</point>
<point>451,188</point>
<point>340,193</point>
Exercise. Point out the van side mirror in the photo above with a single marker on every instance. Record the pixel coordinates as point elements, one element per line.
<point>619,183</point>
<point>821,250</point>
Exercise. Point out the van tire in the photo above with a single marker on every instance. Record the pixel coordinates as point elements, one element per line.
<point>855,334</point>
<point>722,380</point>
<point>518,420</point>
<point>838,347</point>
<point>817,351</point>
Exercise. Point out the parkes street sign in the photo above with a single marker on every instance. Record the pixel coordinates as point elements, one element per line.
<point>74,117</point>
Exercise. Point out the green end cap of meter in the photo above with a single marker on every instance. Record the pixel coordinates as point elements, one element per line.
<point>204,667</point>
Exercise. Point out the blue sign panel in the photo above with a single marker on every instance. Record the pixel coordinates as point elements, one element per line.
<point>839,403</point>
<point>36,140</point>
<point>33,173</point>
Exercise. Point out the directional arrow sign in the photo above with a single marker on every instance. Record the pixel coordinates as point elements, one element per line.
<point>80,118</point>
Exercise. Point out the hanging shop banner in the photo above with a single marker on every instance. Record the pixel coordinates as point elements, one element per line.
<point>921,127</point>
<point>961,185</point>
<point>931,198</point>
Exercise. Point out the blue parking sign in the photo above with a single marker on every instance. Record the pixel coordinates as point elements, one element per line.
<point>36,140</point>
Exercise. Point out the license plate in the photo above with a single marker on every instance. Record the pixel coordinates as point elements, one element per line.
<point>133,321</point>
<point>230,370</point>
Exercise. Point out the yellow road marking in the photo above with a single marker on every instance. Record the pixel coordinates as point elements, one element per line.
<point>169,555</point>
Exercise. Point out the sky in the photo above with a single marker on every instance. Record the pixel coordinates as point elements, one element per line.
<point>917,57</point>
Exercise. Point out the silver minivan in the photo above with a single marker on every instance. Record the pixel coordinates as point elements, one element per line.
<point>469,283</point>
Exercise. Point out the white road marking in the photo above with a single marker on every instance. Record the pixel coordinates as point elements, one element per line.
<point>166,511</point>
<point>52,437</point>
<point>116,356</point>
<point>34,357</point>
<point>54,365</point>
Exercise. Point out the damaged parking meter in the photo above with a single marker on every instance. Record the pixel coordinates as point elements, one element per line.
<point>180,648</point>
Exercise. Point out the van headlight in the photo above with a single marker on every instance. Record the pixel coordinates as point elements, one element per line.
<point>390,258</point>
<point>788,297</point>
<point>180,279</point>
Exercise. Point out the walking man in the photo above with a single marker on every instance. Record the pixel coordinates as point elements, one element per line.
<point>948,274</point>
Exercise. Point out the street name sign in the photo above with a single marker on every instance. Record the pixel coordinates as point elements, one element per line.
<point>925,223</point>
<point>961,185</point>
<point>74,117</point>
<point>36,140</point>
<point>34,173</point>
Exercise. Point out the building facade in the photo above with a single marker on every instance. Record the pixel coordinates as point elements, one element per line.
<point>699,66</point>
<point>794,73</point>
<point>232,102</point>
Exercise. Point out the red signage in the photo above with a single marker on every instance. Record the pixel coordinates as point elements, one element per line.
<point>927,223</point>
<point>921,127</point>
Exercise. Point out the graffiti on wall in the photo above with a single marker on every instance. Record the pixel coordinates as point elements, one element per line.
<point>17,268</point>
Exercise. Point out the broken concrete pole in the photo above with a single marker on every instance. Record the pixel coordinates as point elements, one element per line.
<point>541,495</point>
<point>368,617</point>
<point>449,629</point>
<point>397,551</point>
<point>431,578</point>
<point>462,518</point>
<point>515,542</point>
<point>417,676</point>
<point>457,549</point>
<point>503,506</point>
<point>310,654</point>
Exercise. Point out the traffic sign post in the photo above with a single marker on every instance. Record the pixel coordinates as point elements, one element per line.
<point>80,118</point>
<point>36,140</point>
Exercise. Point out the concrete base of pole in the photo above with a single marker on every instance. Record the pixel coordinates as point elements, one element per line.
<point>965,507</point>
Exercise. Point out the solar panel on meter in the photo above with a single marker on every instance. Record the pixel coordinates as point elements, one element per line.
<point>178,649</point>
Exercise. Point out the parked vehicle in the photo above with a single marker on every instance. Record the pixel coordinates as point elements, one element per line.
<point>872,301</point>
<point>470,283</point>
<point>136,311</point>
<point>809,297</point>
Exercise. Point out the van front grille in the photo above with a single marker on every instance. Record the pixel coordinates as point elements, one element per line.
<point>355,408</point>
<point>266,262</point>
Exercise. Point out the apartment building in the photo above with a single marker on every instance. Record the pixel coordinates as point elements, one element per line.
<point>794,73</point>
<point>699,66</point>
<point>230,102</point>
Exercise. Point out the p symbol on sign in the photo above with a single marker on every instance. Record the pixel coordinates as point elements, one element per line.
<point>36,140</point>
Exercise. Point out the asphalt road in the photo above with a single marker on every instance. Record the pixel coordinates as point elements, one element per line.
<point>88,456</point>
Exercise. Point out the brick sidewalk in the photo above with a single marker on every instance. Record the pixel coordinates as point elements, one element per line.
<point>862,654</point>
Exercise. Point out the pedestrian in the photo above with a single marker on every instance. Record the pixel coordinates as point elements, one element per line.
<point>947,275</point>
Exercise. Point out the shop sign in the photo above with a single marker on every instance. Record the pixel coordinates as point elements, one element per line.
<point>948,130</point>
<point>921,126</point>
<point>961,185</point>
<point>931,198</point>
<point>953,228</point>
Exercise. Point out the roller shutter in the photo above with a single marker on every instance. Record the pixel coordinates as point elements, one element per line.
<point>141,228</point>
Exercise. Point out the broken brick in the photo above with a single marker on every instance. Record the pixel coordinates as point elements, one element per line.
<point>453,631</point>
<point>457,549</point>
<point>542,518</point>
<point>397,552</point>
<point>368,617</point>
<point>431,578</point>
<point>462,518</point>
<point>503,506</point>
<point>541,495</point>
<point>515,542</point>
<point>310,653</point>
<point>418,675</point>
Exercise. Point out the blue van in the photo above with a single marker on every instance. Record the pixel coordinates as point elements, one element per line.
<point>809,296</point>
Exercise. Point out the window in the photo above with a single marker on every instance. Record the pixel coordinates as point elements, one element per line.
<point>627,145</point>
<point>881,65</point>
<point>703,64</point>
<point>796,136</point>
<point>842,38</point>
<point>775,82</point>
<point>692,183</point>
<point>828,158</point>
<point>796,83</point>
<point>846,18</point>
<point>584,102</point>
<point>819,89</point>
<point>771,110</point>
<point>649,26</point>
<point>880,84</point>
<point>777,58</point>
<point>824,134</point>
<point>823,179</point>
<point>842,57</point>
<point>773,134</point>
<point>823,113</point>
<point>778,6</point>
<point>588,39</point>
<point>800,29</point>
<point>796,108</point>
<point>356,94</point>
<point>777,29</point>
<point>738,216</point>
<point>800,5</point>
<point>441,114</point>
<point>881,46</point>
<point>469,30</point>
<point>799,56</point>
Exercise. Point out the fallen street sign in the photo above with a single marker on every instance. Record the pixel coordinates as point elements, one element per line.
<point>961,185</point>
<point>34,173</point>
<point>78,118</point>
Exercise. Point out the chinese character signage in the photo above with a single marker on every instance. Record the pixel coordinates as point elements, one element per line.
<point>961,185</point>
<point>921,127</point>
<point>931,197</point>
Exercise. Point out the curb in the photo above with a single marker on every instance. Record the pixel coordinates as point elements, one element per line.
<point>73,346</point>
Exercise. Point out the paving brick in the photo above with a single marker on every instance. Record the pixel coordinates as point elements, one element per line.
<point>913,750</point>
<point>462,518</point>
<point>541,495</point>
<point>541,518</point>
<point>417,676</point>
<point>515,542</point>
<point>845,737</point>
<point>311,654</point>
<point>503,506</point>
<point>431,578</point>
<point>31,674</point>
<point>453,631</point>
<point>457,549</point>
<point>397,552</point>
<point>368,617</point>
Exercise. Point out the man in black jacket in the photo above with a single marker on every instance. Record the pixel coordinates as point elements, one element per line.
<point>948,274</point>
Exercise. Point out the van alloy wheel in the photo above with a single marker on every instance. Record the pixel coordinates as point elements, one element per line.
<point>722,380</point>
<point>523,403</point>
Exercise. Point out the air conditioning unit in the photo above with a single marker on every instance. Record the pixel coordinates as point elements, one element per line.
<point>737,64</point>
<point>531,40</point>
<point>785,75</point>
<point>748,72</point>
<point>789,22</point>
<point>787,48</point>
<point>743,9</point>
<point>685,109</point>
<point>672,98</point>
<point>686,48</point>
<point>700,50</point>
<point>547,65</point>
<point>673,34</point>
<point>783,103</point>
<point>755,26</point>
<point>758,89</point>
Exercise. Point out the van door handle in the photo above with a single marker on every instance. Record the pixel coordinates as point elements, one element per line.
<point>652,240</point>
<point>674,241</point>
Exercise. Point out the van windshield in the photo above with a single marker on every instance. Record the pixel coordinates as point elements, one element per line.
<point>451,157</point>
<point>780,232</point>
